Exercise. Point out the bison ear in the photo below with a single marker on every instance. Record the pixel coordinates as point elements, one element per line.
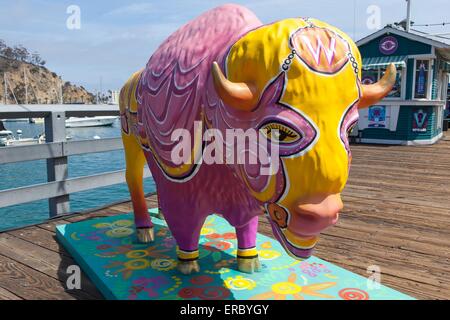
<point>239,95</point>
<point>373,93</point>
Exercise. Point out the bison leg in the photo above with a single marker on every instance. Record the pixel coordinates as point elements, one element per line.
<point>247,255</point>
<point>188,261</point>
<point>135,161</point>
<point>186,231</point>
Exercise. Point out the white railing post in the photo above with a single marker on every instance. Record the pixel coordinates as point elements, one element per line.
<point>57,168</point>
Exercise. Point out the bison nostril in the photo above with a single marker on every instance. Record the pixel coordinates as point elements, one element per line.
<point>277,214</point>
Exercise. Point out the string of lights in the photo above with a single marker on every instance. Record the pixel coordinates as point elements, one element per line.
<point>431,24</point>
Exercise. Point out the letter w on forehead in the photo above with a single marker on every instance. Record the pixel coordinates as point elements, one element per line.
<point>321,49</point>
<point>329,52</point>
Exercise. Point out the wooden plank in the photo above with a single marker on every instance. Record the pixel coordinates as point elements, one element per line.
<point>107,212</point>
<point>8,295</point>
<point>30,284</point>
<point>40,237</point>
<point>379,194</point>
<point>51,224</point>
<point>43,260</point>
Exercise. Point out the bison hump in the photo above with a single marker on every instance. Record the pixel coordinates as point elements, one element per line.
<point>173,84</point>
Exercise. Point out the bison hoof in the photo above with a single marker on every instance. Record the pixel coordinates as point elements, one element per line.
<point>145,235</point>
<point>249,265</point>
<point>188,267</point>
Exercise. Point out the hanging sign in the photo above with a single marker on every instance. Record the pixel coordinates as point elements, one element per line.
<point>377,117</point>
<point>420,87</point>
<point>420,120</point>
<point>388,45</point>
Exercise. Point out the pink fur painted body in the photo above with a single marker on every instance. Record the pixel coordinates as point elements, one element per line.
<point>176,89</point>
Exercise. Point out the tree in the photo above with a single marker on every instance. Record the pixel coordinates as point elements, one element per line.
<point>35,58</point>
<point>21,53</point>
<point>2,46</point>
<point>8,53</point>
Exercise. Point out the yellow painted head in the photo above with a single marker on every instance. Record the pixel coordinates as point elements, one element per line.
<point>314,71</point>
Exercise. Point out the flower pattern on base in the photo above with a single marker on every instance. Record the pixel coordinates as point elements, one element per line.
<point>289,288</point>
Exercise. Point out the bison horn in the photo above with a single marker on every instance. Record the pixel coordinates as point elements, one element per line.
<point>373,93</point>
<point>241,96</point>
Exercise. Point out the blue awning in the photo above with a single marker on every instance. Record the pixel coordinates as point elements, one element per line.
<point>374,62</point>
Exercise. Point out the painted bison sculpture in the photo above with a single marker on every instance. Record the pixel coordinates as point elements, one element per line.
<point>297,82</point>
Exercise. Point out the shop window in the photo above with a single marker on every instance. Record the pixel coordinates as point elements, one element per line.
<point>373,74</point>
<point>421,82</point>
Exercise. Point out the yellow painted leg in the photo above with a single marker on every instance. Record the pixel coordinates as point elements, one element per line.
<point>135,162</point>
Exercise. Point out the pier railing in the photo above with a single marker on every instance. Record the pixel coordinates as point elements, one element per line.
<point>56,151</point>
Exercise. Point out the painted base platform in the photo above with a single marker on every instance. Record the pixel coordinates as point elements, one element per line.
<point>108,252</point>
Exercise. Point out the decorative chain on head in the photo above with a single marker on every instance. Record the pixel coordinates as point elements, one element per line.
<point>354,63</point>
<point>308,22</point>
<point>287,62</point>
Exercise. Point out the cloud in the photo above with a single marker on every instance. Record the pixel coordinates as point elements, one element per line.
<point>133,9</point>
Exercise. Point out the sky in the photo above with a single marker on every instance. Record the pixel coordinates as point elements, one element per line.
<point>117,37</point>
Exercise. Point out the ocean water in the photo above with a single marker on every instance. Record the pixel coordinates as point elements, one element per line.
<point>20,174</point>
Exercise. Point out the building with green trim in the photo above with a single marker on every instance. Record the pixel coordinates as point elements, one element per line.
<point>413,112</point>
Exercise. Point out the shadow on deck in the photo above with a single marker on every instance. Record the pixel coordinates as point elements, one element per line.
<point>396,216</point>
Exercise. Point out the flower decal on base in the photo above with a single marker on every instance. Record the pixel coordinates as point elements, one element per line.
<point>353,294</point>
<point>239,283</point>
<point>289,288</point>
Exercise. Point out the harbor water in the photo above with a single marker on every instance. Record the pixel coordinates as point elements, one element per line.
<point>20,174</point>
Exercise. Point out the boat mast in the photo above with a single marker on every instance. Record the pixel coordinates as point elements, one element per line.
<point>101,90</point>
<point>61,93</point>
<point>408,15</point>
<point>6,89</point>
<point>25,80</point>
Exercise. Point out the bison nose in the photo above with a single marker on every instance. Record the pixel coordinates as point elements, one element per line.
<point>323,207</point>
<point>314,214</point>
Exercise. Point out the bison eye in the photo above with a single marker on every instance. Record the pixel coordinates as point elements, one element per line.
<point>278,132</point>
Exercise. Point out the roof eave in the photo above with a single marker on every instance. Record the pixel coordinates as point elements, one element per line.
<point>409,35</point>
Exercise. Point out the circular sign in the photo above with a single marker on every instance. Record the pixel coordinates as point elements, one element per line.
<point>388,45</point>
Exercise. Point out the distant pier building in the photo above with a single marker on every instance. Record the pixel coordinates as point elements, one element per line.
<point>413,113</point>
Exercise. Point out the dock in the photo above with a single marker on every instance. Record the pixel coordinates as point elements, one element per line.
<point>396,217</point>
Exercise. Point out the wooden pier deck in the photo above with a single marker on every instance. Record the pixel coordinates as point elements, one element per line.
<point>396,216</point>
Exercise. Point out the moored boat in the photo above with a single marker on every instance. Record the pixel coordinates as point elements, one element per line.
<point>7,139</point>
<point>102,121</point>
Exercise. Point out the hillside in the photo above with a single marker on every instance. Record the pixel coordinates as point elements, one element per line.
<point>43,85</point>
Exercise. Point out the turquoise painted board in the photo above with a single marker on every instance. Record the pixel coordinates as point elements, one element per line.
<point>107,251</point>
